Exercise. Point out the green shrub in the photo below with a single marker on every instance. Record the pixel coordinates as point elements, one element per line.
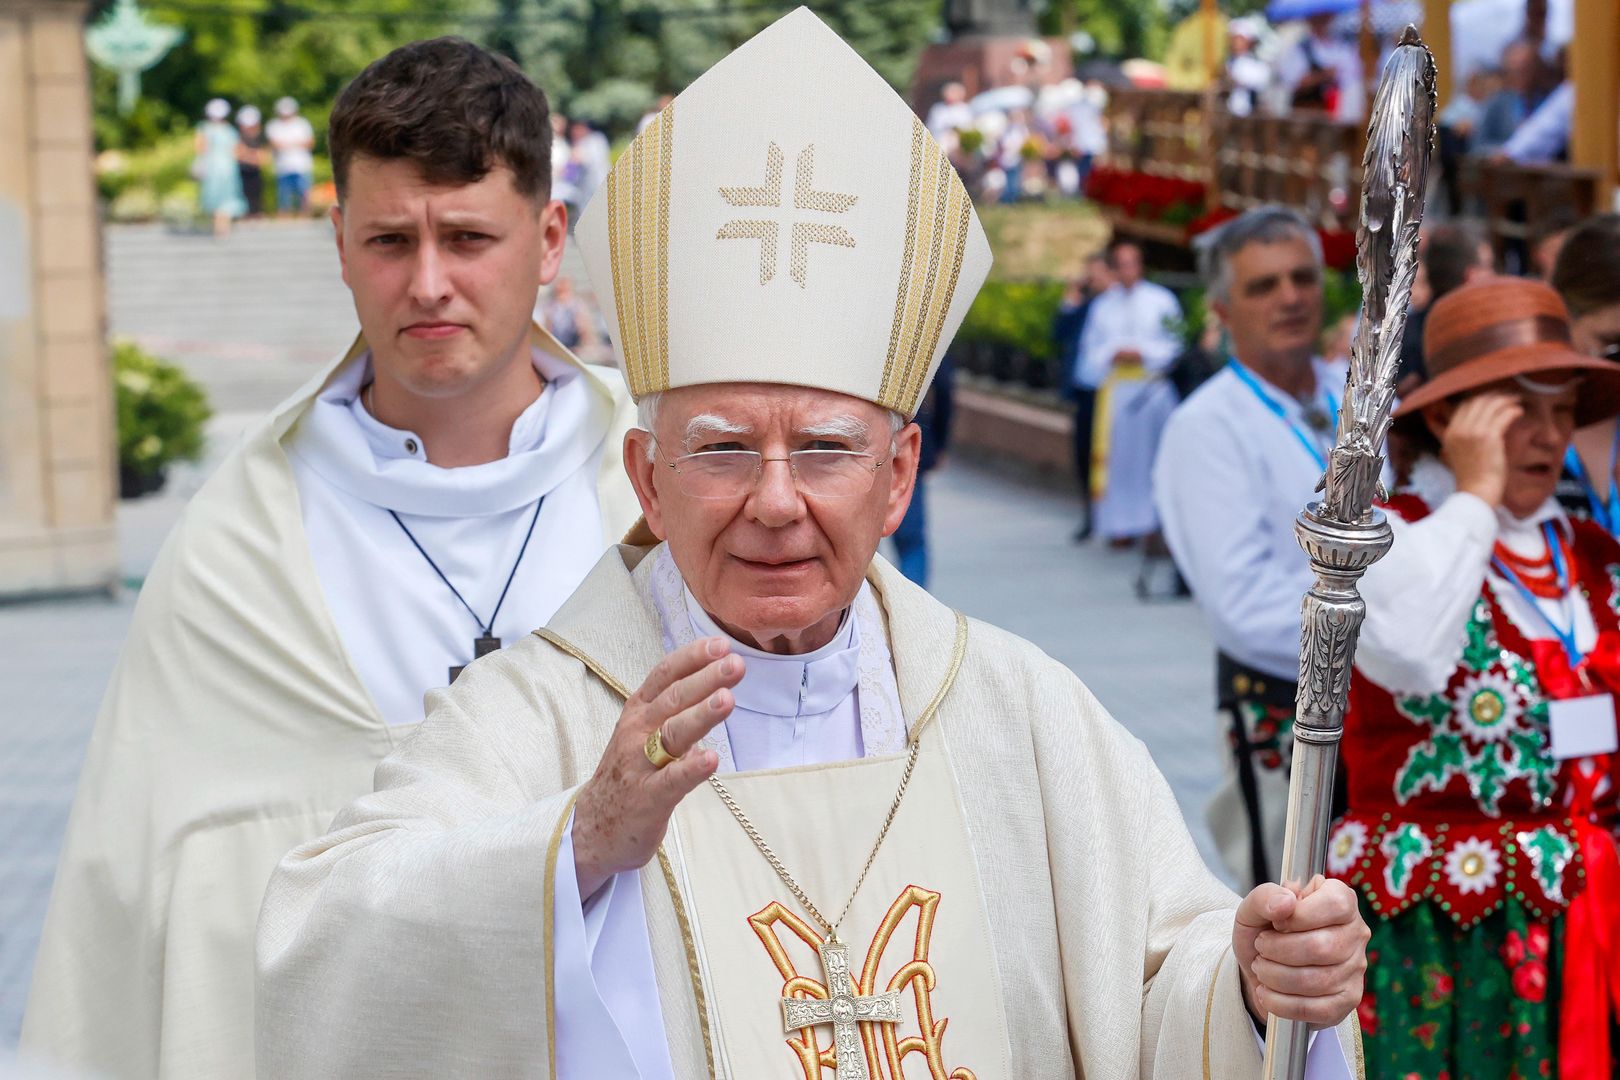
<point>161,412</point>
<point>1017,314</point>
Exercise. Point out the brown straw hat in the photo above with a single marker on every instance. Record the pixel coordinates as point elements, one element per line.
<point>1500,328</point>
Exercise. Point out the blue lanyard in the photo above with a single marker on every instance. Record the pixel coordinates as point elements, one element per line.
<point>1277,410</point>
<point>1566,638</point>
<point>1607,512</point>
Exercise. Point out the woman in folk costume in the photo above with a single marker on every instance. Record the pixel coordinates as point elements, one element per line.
<point>1481,729</point>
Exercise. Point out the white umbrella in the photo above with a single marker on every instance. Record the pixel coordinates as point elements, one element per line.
<point>1003,99</point>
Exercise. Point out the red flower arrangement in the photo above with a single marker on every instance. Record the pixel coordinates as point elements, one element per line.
<point>1174,201</point>
<point>1144,195</point>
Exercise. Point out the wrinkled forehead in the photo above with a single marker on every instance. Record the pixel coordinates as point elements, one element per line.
<point>765,408</point>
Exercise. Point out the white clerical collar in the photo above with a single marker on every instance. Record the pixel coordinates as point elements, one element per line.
<point>388,467</point>
<point>776,684</point>
<point>393,444</point>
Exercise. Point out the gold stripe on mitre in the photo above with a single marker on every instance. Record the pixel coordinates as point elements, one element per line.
<point>938,218</point>
<point>638,251</point>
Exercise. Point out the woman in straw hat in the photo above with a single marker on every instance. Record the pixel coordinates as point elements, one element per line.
<point>1482,717</point>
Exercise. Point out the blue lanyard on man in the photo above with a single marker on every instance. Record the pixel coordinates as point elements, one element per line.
<point>1565,636</point>
<point>1276,407</point>
<point>1606,512</point>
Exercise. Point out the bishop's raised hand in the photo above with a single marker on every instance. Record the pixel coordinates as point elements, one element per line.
<point>623,811</point>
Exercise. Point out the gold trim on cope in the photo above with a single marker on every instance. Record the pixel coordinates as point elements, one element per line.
<point>1209,1011</point>
<point>549,929</point>
<point>938,220</point>
<point>692,969</point>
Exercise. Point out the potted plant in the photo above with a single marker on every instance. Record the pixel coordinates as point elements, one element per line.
<point>161,415</point>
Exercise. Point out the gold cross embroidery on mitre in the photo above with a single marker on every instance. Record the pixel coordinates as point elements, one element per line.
<point>803,233</point>
<point>867,1040</point>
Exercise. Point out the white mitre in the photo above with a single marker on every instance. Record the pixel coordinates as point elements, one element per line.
<point>787,219</point>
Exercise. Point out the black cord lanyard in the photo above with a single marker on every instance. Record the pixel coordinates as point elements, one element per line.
<point>486,642</point>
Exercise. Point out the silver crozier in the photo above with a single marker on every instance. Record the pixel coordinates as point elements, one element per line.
<point>1342,534</point>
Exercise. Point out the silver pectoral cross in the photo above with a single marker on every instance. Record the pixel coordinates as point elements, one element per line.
<point>843,1010</point>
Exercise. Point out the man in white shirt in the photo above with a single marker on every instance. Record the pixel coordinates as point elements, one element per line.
<point>1239,460</point>
<point>1128,343</point>
<point>433,494</point>
<point>292,145</point>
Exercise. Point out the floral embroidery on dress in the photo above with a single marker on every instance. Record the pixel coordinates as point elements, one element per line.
<point>1346,847</point>
<point>1488,727</point>
<point>1405,848</point>
<point>1473,865</point>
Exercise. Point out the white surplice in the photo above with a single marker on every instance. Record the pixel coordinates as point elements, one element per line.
<point>400,623</point>
<point>236,724</point>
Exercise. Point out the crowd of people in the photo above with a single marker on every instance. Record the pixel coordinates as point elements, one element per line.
<point>1481,732</point>
<point>231,158</point>
<point>564,868</point>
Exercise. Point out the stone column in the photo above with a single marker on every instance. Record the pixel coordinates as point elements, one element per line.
<point>57,448</point>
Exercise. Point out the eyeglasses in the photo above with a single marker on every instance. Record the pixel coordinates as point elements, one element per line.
<point>730,474</point>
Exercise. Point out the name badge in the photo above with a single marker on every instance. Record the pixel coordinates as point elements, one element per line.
<point>1582,727</point>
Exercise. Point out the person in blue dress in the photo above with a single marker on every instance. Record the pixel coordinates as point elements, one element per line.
<point>218,177</point>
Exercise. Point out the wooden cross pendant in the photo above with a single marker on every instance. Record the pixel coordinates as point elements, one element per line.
<point>482,646</point>
<point>843,1010</point>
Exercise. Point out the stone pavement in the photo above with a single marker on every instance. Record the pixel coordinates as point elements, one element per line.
<point>254,316</point>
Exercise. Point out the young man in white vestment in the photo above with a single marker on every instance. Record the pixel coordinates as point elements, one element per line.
<point>1239,460</point>
<point>439,489</point>
<point>752,805</point>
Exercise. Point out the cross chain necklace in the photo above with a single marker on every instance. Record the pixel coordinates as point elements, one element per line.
<point>843,1008</point>
<point>486,642</point>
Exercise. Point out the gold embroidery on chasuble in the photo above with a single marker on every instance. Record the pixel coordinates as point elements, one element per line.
<point>918,926</point>
<point>882,1044</point>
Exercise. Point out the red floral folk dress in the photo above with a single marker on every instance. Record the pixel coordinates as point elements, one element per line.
<point>1494,899</point>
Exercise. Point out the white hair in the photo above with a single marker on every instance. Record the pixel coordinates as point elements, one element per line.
<point>844,427</point>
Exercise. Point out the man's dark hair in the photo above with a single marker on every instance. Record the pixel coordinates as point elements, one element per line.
<point>453,109</point>
<point>1452,251</point>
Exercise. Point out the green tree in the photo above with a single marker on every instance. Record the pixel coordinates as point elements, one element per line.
<point>606,61</point>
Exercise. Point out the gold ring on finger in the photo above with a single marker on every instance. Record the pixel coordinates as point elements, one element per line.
<point>654,748</point>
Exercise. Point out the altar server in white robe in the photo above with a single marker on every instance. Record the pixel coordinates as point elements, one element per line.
<point>1128,345</point>
<point>444,484</point>
<point>752,805</point>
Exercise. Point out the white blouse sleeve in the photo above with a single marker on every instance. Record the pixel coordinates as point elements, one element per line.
<point>1419,597</point>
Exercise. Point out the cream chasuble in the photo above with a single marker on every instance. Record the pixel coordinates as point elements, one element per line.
<point>234,727</point>
<point>1038,906</point>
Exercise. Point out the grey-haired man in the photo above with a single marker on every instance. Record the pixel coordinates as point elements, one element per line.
<point>1238,461</point>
